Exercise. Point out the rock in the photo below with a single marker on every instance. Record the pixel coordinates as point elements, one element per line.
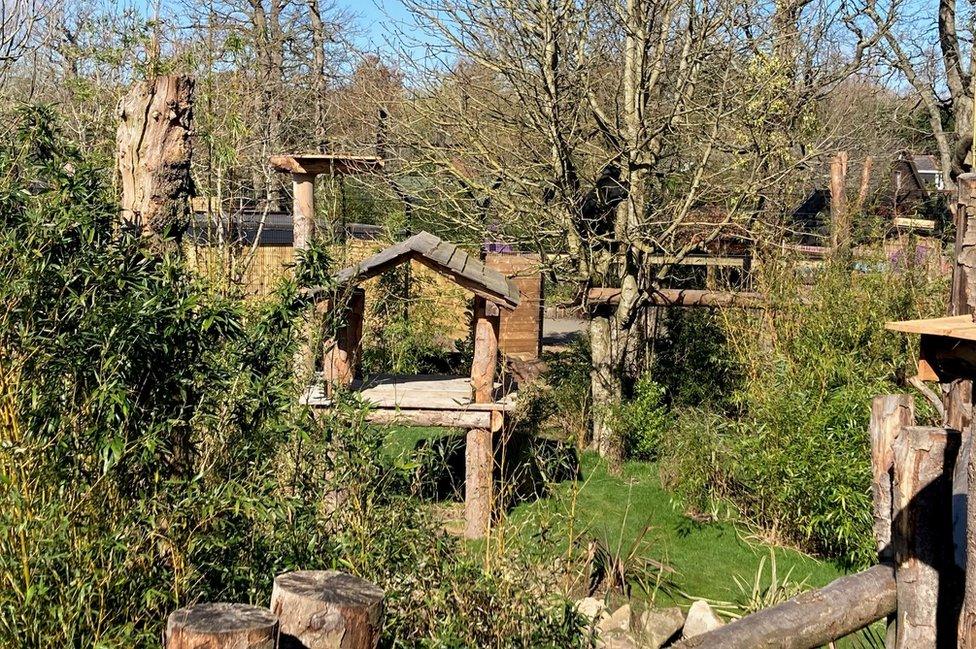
<point>619,620</point>
<point>591,608</point>
<point>701,619</point>
<point>656,626</point>
<point>617,640</point>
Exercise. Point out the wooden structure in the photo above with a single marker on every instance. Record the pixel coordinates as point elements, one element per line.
<point>520,329</point>
<point>303,169</point>
<point>684,297</point>
<point>327,609</point>
<point>473,402</point>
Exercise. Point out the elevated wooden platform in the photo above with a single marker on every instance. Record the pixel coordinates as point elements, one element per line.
<point>424,400</point>
<point>947,350</point>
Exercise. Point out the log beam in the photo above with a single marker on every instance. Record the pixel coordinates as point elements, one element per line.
<point>889,414</point>
<point>812,619</point>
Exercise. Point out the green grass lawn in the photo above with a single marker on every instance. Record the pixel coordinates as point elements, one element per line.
<point>618,509</point>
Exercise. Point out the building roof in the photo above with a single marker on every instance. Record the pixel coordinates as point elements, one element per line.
<point>442,257</point>
<point>925,163</point>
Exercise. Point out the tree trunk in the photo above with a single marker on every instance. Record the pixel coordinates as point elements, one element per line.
<point>154,157</point>
<point>327,609</point>
<point>222,626</point>
<point>606,387</point>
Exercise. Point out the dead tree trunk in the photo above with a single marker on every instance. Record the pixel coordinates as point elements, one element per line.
<point>928,582</point>
<point>327,609</point>
<point>222,626</point>
<point>154,158</point>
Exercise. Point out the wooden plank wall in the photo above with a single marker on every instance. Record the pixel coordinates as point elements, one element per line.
<point>520,332</point>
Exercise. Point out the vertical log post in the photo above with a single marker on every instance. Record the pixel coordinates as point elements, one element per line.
<point>327,609</point>
<point>927,581</point>
<point>839,215</point>
<point>222,626</point>
<point>342,352</point>
<point>890,413</point>
<point>478,455</point>
<point>153,146</point>
<point>303,210</point>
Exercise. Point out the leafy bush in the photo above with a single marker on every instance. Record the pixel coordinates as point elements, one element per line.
<point>796,461</point>
<point>152,453</point>
<point>645,420</point>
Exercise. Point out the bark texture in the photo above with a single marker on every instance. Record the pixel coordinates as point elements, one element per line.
<point>153,143</point>
<point>812,619</point>
<point>479,449</point>
<point>889,414</point>
<point>327,609</point>
<point>222,626</point>
<point>928,583</point>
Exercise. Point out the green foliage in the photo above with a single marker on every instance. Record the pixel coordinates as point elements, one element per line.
<point>796,461</point>
<point>567,395</point>
<point>645,420</point>
<point>152,453</point>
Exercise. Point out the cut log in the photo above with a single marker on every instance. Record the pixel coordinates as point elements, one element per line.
<point>342,353</point>
<point>222,626</point>
<point>437,418</point>
<point>889,414</point>
<point>840,218</point>
<point>327,609</point>
<point>153,144</point>
<point>812,619</point>
<point>928,581</point>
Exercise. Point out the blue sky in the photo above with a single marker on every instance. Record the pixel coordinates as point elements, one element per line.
<point>377,19</point>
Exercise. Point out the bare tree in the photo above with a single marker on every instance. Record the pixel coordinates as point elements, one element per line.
<point>617,137</point>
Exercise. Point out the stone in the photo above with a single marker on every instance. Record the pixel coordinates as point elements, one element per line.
<point>619,620</point>
<point>617,640</point>
<point>701,619</point>
<point>591,608</point>
<point>656,626</point>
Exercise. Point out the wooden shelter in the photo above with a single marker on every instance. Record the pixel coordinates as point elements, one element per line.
<point>474,402</point>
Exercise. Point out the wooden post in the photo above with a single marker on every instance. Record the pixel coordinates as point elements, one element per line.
<point>927,582</point>
<point>222,626</point>
<point>327,609</point>
<point>153,144</point>
<point>303,210</point>
<point>479,455</point>
<point>342,352</point>
<point>839,215</point>
<point>889,414</point>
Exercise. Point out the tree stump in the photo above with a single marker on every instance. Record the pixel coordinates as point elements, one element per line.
<point>327,609</point>
<point>222,626</point>
<point>153,143</point>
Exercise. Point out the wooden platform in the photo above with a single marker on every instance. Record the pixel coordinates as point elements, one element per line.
<point>957,326</point>
<point>425,400</point>
<point>947,349</point>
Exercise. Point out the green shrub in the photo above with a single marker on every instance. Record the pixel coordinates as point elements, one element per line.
<point>645,420</point>
<point>152,453</point>
<point>796,461</point>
